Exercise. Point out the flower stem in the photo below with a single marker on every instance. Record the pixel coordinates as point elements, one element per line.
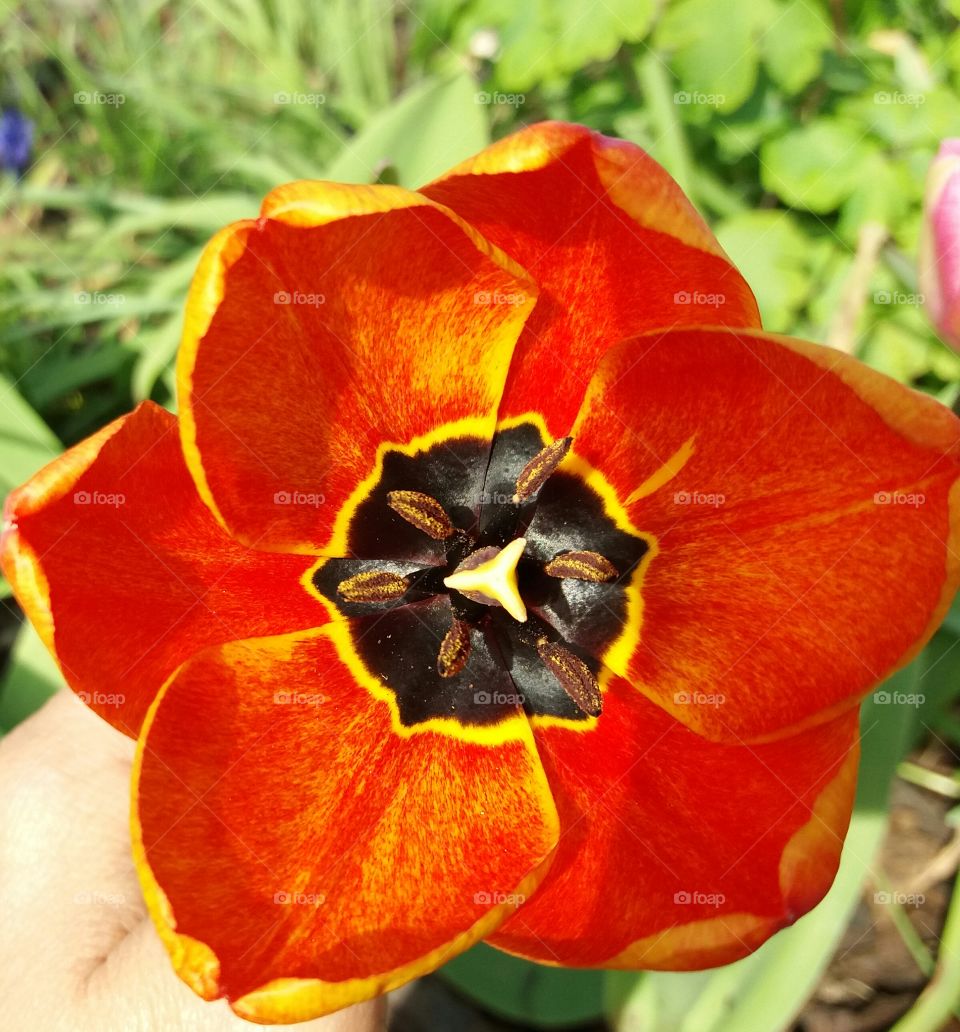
<point>938,1000</point>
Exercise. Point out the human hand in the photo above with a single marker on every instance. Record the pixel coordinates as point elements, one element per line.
<point>78,951</point>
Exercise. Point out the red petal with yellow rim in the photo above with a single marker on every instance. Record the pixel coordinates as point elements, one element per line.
<point>656,868</point>
<point>306,855</point>
<point>615,246</point>
<point>805,515</point>
<point>126,574</point>
<point>344,318</point>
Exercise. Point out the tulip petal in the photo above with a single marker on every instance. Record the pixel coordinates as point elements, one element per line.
<point>126,574</point>
<point>373,316</point>
<point>804,510</point>
<point>679,853</point>
<point>306,855</point>
<point>615,246</point>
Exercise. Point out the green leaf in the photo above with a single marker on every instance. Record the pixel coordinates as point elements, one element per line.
<point>26,442</point>
<point>892,349</point>
<point>526,993</point>
<point>772,252</point>
<point>817,166</point>
<point>884,194</point>
<point>951,622</point>
<point>794,43</point>
<point>713,49</point>
<point>425,132</point>
<point>765,991</point>
<point>31,678</point>
<point>549,39</point>
<point>764,116</point>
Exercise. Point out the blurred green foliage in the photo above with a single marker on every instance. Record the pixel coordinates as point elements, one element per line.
<point>802,130</point>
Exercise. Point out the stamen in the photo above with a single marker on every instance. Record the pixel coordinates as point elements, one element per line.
<point>454,649</point>
<point>585,566</point>
<point>373,586</point>
<point>573,675</point>
<point>536,472</point>
<point>423,512</point>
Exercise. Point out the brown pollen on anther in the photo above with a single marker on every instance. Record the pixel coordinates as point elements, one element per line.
<point>423,512</point>
<point>373,586</point>
<point>454,649</point>
<point>585,566</point>
<point>573,675</point>
<point>539,469</point>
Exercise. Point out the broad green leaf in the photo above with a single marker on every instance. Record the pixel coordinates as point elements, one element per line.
<point>883,195</point>
<point>903,118</point>
<point>794,43</point>
<point>526,993</point>
<point>31,678</point>
<point>765,991</point>
<point>772,252</point>
<point>892,349</point>
<point>425,132</point>
<point>763,116</point>
<point>817,166</point>
<point>713,49</point>
<point>26,442</point>
<point>548,39</point>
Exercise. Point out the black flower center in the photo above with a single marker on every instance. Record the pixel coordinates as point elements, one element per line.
<point>486,580</point>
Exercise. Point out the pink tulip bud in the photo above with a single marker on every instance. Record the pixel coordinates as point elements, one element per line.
<point>939,261</point>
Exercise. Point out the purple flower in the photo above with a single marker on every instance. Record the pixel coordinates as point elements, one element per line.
<point>16,136</point>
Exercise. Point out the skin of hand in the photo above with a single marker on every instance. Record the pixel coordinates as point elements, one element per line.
<point>78,952</point>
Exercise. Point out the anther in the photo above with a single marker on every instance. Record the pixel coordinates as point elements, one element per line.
<point>585,566</point>
<point>573,675</point>
<point>538,470</point>
<point>423,512</point>
<point>373,586</point>
<point>454,649</point>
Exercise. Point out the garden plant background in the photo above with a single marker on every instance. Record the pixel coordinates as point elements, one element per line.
<point>802,131</point>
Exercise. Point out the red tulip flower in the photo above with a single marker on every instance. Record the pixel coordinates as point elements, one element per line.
<point>500,579</point>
